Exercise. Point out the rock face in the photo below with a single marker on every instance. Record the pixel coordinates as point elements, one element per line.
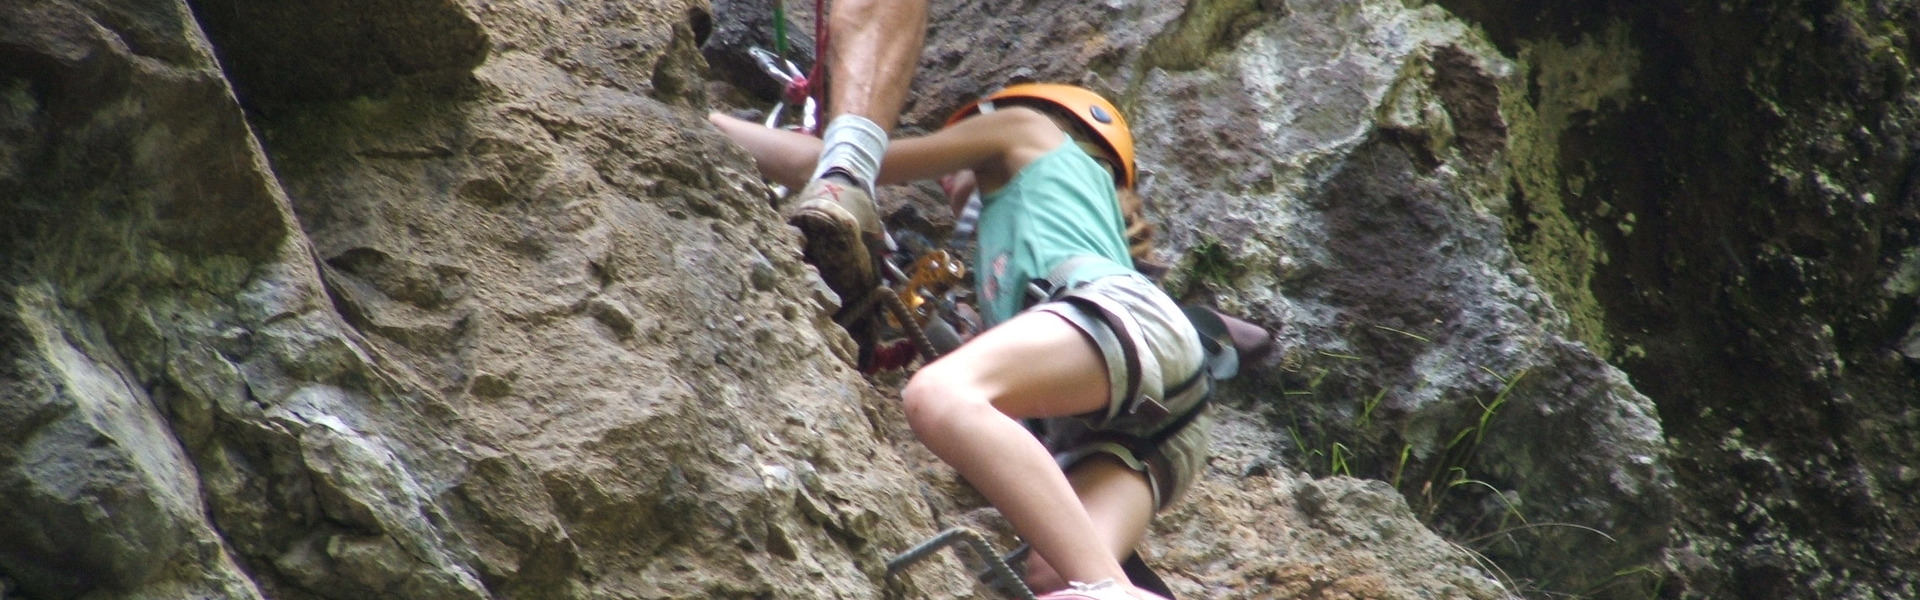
<point>443,320</point>
<point>1734,184</point>
<point>464,299</point>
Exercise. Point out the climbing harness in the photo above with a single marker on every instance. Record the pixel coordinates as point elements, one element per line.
<point>997,574</point>
<point>1222,359</point>
<point>1179,404</point>
<point>1221,363</point>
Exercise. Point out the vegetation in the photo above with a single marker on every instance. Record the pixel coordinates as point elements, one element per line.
<point>1209,262</point>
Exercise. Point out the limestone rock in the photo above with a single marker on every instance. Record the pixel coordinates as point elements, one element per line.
<point>465,299</point>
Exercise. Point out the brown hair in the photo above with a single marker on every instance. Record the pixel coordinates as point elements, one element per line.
<point>1140,233</point>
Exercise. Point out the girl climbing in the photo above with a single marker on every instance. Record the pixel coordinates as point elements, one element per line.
<point>1079,343</point>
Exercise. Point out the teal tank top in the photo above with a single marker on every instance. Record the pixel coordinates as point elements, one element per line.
<point>1059,206</point>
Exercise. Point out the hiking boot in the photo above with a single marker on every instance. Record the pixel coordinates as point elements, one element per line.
<point>841,223</point>
<point>1105,590</point>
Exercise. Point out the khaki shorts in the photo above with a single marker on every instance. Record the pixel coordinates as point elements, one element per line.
<point>1171,355</point>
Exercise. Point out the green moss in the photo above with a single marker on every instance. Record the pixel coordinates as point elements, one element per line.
<point>1209,262</point>
<point>1905,279</point>
<point>1560,253</point>
<point>1207,27</point>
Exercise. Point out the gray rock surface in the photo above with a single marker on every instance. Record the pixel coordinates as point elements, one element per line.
<point>1360,209</point>
<point>464,299</point>
<point>431,351</point>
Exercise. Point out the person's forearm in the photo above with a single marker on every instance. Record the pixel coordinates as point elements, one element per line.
<point>786,157</point>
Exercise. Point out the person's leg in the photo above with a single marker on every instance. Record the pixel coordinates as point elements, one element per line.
<point>1119,503</point>
<point>873,48</point>
<point>964,407</point>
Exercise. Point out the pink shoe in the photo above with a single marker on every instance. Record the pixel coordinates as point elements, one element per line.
<point>1104,590</point>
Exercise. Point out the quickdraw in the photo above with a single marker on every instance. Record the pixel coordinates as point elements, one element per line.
<point>922,304</point>
<point>806,90</point>
<point>930,285</point>
<point>795,91</point>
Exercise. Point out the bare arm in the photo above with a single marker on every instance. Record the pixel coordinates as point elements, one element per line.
<point>786,157</point>
<point>994,145</point>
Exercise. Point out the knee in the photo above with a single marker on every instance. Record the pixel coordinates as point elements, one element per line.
<point>933,398</point>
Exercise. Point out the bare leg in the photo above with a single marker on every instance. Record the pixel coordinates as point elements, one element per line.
<point>873,50</point>
<point>964,406</point>
<point>1119,502</point>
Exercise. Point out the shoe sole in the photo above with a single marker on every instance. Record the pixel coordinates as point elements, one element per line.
<point>834,246</point>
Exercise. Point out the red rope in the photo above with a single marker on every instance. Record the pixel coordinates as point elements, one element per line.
<point>819,71</point>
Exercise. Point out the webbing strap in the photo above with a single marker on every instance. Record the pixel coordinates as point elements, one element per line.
<point>780,28</point>
<point>1221,357</point>
<point>1140,375</point>
<point>1199,383</point>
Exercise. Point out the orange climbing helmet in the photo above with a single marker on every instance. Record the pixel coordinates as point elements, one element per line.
<point>1089,107</point>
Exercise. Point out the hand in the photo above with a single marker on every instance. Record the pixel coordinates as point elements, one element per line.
<point>959,187</point>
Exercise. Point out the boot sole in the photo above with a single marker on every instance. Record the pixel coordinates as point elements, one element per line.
<point>834,246</point>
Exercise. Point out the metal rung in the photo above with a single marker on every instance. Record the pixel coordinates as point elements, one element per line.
<point>998,575</point>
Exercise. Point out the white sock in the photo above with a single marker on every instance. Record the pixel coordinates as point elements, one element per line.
<point>853,147</point>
